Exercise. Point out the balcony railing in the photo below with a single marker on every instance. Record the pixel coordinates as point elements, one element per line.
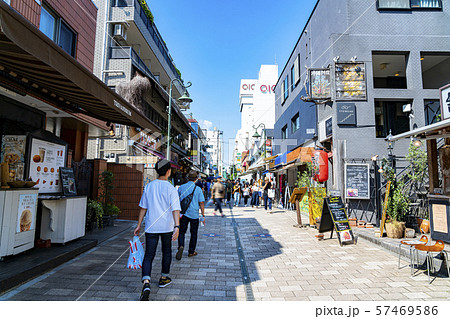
<point>151,27</point>
<point>129,53</point>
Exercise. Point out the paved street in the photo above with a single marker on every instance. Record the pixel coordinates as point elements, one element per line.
<point>282,263</point>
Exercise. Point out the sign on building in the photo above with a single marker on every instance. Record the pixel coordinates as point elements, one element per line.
<point>320,84</point>
<point>346,113</point>
<point>445,102</point>
<point>350,80</point>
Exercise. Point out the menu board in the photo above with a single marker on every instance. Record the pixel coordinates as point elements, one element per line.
<point>335,218</point>
<point>350,81</point>
<point>68,181</point>
<point>26,213</point>
<point>13,153</point>
<point>357,183</point>
<point>45,160</point>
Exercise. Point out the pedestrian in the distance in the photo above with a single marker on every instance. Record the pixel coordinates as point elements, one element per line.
<point>218,193</point>
<point>246,194</point>
<point>160,205</point>
<point>266,187</point>
<point>237,193</point>
<point>229,188</point>
<point>191,216</point>
<point>255,194</point>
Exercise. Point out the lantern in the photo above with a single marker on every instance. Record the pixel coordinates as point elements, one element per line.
<point>320,166</point>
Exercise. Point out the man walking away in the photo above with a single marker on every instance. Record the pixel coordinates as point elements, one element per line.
<point>218,193</point>
<point>160,205</point>
<point>266,188</point>
<point>191,215</point>
<point>229,189</point>
<point>237,193</point>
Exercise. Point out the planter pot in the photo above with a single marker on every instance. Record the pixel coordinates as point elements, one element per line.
<point>425,226</point>
<point>395,229</point>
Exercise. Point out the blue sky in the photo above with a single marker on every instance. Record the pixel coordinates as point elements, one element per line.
<point>215,44</point>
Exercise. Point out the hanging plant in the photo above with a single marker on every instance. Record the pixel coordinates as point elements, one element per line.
<point>147,11</point>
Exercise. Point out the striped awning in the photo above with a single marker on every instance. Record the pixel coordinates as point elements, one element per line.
<point>32,64</point>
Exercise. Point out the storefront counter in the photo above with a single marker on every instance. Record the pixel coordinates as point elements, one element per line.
<point>17,220</point>
<point>440,217</point>
<point>63,218</point>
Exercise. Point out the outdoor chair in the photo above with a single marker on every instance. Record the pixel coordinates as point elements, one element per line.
<point>437,248</point>
<point>411,244</point>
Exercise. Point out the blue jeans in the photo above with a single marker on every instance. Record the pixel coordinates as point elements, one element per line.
<point>255,199</point>
<point>184,222</point>
<point>237,198</point>
<point>267,198</point>
<point>218,205</point>
<point>151,243</point>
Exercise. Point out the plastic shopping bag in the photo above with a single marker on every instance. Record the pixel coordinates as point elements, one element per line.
<point>136,253</point>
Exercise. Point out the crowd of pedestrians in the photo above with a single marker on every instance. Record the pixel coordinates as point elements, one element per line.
<point>168,213</point>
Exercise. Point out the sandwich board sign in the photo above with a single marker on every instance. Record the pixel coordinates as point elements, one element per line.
<point>334,218</point>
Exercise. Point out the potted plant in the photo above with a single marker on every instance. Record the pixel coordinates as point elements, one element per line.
<point>418,175</point>
<point>106,197</point>
<point>112,211</point>
<point>94,215</point>
<point>398,203</point>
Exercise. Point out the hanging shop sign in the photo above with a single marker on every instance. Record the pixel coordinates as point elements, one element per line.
<point>320,84</point>
<point>357,181</point>
<point>346,113</point>
<point>350,81</point>
<point>445,102</point>
<point>329,127</point>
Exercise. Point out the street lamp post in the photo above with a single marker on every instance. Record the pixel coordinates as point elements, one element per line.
<point>184,99</point>
<point>257,136</point>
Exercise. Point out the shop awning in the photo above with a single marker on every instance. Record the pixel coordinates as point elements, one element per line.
<point>432,131</point>
<point>301,154</point>
<point>32,64</point>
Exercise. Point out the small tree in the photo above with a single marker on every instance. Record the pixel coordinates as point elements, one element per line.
<point>106,188</point>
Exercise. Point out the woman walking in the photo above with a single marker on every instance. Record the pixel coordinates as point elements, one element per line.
<point>267,186</point>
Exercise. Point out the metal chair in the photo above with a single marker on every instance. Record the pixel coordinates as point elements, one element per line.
<point>411,243</point>
<point>438,248</point>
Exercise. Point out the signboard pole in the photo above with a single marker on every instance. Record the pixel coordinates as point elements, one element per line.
<point>385,204</point>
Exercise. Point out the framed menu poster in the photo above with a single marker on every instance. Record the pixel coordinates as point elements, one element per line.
<point>45,159</point>
<point>13,153</point>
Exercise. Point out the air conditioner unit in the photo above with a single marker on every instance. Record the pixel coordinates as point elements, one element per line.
<point>120,32</point>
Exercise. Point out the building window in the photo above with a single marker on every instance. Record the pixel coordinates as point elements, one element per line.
<point>409,4</point>
<point>286,88</point>
<point>296,77</point>
<point>295,123</point>
<point>432,111</point>
<point>293,77</point>
<point>284,132</point>
<point>435,68</point>
<point>8,1</point>
<point>389,116</point>
<point>56,29</point>
<point>389,70</point>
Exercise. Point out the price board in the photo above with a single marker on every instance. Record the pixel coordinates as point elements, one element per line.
<point>357,181</point>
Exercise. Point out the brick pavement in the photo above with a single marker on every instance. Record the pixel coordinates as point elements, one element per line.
<point>286,263</point>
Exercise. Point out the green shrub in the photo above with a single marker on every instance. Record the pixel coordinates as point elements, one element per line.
<point>94,214</point>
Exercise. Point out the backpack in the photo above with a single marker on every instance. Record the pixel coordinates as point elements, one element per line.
<point>186,202</point>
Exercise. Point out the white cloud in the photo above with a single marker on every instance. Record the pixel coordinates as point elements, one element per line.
<point>206,124</point>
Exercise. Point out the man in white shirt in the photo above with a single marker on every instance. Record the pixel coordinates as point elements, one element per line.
<point>160,205</point>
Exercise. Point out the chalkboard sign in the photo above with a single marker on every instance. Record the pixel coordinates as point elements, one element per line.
<point>67,181</point>
<point>357,182</point>
<point>335,218</point>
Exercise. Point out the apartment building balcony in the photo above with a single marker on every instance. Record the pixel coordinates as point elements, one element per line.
<point>144,36</point>
<point>130,53</point>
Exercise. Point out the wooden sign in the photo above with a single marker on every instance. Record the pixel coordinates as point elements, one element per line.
<point>385,204</point>
<point>334,218</point>
<point>296,197</point>
<point>68,181</point>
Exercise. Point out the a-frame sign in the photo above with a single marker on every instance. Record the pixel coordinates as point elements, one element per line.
<point>334,218</point>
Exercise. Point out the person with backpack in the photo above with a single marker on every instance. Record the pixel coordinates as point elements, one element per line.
<point>160,205</point>
<point>192,200</point>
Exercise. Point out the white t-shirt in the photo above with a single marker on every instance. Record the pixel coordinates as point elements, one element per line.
<point>160,199</point>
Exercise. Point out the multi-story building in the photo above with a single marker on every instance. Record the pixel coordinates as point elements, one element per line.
<point>373,68</point>
<point>257,107</point>
<point>132,58</point>
<point>214,139</point>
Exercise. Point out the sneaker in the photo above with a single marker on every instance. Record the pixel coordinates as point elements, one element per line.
<point>164,282</point>
<point>179,253</point>
<point>193,254</point>
<point>145,294</point>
